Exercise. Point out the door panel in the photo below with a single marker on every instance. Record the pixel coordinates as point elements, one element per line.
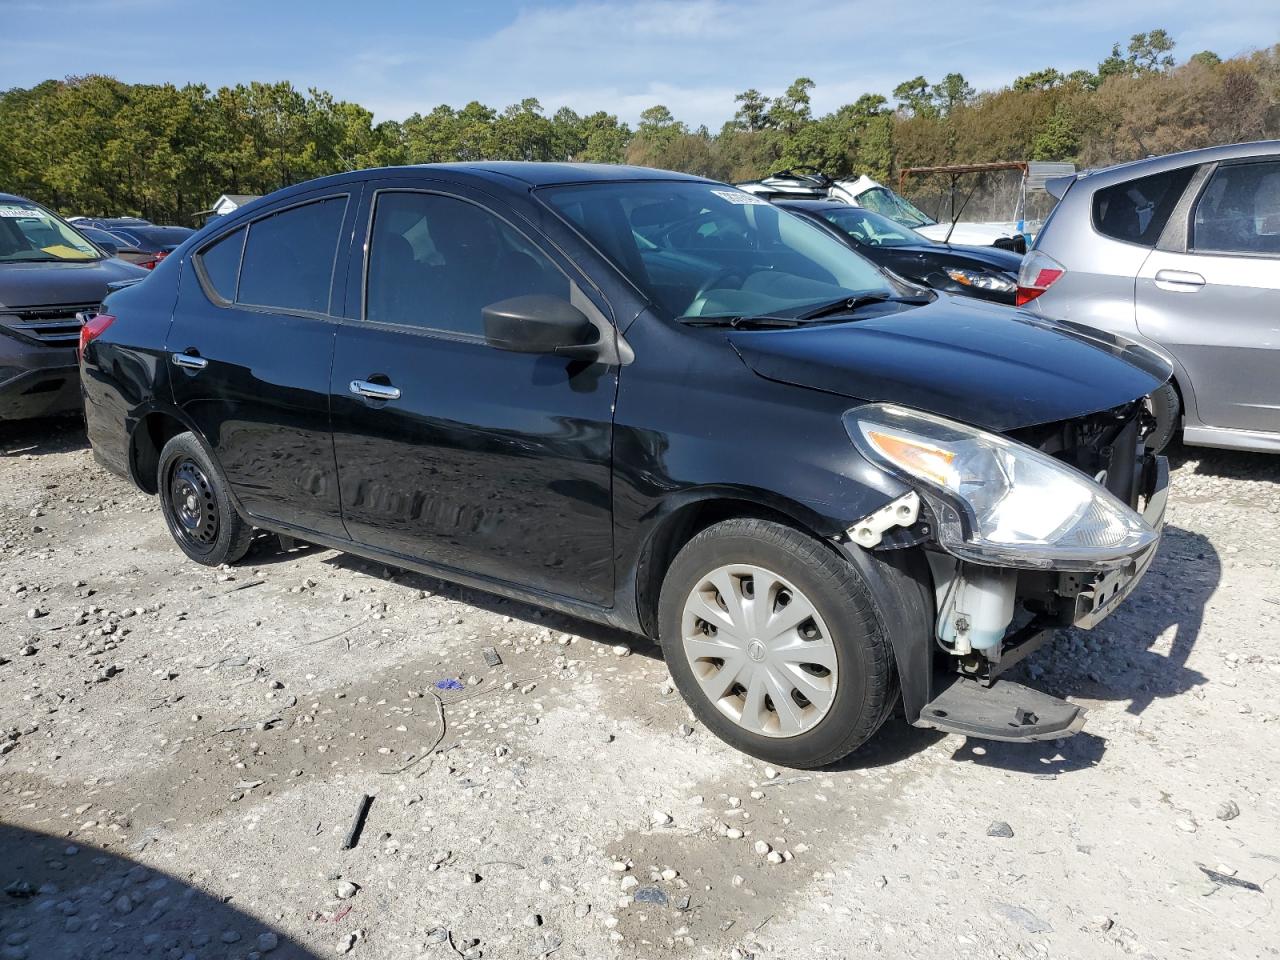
<point>488,461</point>
<point>1216,306</point>
<point>255,379</point>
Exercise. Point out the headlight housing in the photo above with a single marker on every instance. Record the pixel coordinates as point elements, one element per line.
<point>981,279</point>
<point>996,501</point>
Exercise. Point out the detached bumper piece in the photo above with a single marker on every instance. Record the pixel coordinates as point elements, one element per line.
<point>1002,711</point>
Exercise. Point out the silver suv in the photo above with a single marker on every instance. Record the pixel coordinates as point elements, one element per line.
<point>1182,252</point>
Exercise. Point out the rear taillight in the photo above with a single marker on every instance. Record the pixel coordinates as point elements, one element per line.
<point>92,329</point>
<point>1038,273</point>
<point>151,264</point>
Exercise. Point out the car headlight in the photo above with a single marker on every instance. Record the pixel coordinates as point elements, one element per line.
<point>997,501</point>
<point>981,279</point>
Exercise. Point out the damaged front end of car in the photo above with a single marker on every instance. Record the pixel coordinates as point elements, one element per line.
<point>1027,531</point>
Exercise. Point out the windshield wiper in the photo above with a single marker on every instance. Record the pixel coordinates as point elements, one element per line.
<point>852,304</point>
<point>739,323</point>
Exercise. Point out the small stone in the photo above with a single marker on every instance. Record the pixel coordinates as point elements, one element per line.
<point>660,818</point>
<point>630,883</point>
<point>774,857</point>
<point>581,910</point>
<point>684,730</point>
<point>230,936</point>
<point>122,904</point>
<point>762,848</point>
<point>621,650</point>
<point>28,651</point>
<point>1000,829</point>
<point>1227,810</point>
<point>267,942</point>
<point>1187,825</point>
<point>669,874</point>
<point>533,920</point>
<point>619,866</point>
<point>346,890</point>
<point>473,878</point>
<point>651,895</point>
<point>770,773</point>
<point>733,833</point>
<point>346,943</point>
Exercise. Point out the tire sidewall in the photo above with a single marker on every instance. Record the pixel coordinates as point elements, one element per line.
<point>185,446</point>
<point>844,603</point>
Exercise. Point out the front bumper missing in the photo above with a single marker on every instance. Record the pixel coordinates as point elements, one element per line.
<point>998,709</point>
<point>1098,596</point>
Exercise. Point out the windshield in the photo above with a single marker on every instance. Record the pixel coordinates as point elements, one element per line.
<point>870,228</point>
<point>706,250</point>
<point>29,232</point>
<point>884,201</point>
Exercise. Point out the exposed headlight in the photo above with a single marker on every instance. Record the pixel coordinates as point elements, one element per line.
<point>997,501</point>
<point>981,279</point>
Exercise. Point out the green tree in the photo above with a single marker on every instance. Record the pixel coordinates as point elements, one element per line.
<point>753,110</point>
<point>915,97</point>
<point>1045,79</point>
<point>1206,58</point>
<point>1151,51</point>
<point>954,91</point>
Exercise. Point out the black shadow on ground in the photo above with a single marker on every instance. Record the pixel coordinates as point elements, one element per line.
<point>92,903</point>
<point>38,437</point>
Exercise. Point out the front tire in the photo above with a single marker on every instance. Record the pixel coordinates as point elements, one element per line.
<point>196,504</point>
<point>773,641</point>
<point>1166,407</point>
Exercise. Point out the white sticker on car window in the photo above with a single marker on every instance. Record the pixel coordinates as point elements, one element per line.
<point>740,197</point>
<point>19,212</point>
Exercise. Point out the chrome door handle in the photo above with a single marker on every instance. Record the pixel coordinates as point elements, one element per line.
<point>375,391</point>
<point>1179,280</point>
<point>188,362</point>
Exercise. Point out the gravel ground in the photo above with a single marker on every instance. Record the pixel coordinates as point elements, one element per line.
<point>183,750</point>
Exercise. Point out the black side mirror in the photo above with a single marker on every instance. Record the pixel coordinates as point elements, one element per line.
<point>538,323</point>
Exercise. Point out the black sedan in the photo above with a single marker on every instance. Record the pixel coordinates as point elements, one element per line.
<point>653,401</point>
<point>988,273</point>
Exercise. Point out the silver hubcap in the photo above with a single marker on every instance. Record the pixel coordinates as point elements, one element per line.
<point>759,650</point>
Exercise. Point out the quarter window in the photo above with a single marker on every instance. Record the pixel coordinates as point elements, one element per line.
<point>288,257</point>
<point>221,264</point>
<point>436,261</point>
<point>1137,211</point>
<point>1239,211</point>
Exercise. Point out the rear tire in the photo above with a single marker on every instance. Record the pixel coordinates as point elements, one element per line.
<point>196,504</point>
<point>1166,407</point>
<point>799,695</point>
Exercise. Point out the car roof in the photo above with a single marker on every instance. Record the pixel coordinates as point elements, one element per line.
<point>1123,172</point>
<point>812,204</point>
<point>13,198</point>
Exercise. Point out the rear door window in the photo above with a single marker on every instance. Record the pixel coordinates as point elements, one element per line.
<point>220,263</point>
<point>1239,210</point>
<point>435,261</point>
<point>1137,211</point>
<point>289,257</point>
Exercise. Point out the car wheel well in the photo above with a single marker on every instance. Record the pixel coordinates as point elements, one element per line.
<point>677,530</point>
<point>148,439</point>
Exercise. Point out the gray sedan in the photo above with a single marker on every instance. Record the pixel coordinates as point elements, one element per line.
<point>1181,252</point>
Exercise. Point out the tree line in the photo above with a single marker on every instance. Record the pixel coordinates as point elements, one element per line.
<point>97,146</point>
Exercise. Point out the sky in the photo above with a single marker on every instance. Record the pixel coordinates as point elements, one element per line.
<point>396,57</point>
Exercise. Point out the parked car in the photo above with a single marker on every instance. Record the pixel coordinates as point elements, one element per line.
<point>987,273</point>
<point>657,402</point>
<point>148,245</point>
<point>106,242</point>
<point>862,191</point>
<point>49,274</point>
<point>1182,252</point>
<point>108,223</point>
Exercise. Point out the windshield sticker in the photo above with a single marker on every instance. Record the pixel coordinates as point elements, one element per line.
<point>68,253</point>
<point>19,212</point>
<point>740,197</point>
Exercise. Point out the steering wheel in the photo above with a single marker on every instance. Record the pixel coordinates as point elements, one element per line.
<point>714,281</point>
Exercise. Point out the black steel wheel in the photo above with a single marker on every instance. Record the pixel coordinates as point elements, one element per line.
<point>197,506</point>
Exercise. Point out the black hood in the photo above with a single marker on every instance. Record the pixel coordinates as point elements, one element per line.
<point>979,363</point>
<point>40,284</point>
<point>965,255</point>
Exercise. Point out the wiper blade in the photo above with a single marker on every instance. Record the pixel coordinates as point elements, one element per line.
<point>739,323</point>
<point>853,304</point>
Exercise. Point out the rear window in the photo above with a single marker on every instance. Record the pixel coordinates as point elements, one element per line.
<point>1137,211</point>
<point>221,264</point>
<point>288,257</point>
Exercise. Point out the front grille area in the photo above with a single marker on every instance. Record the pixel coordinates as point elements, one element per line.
<point>55,324</point>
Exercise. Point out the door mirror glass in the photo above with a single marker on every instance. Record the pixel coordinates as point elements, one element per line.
<point>538,323</point>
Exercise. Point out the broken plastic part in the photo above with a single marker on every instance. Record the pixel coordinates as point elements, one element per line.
<point>902,512</point>
<point>977,610</point>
